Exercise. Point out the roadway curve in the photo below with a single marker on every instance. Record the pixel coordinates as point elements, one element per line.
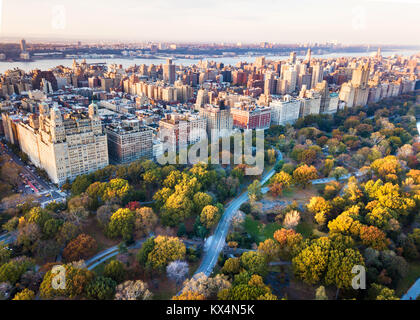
<point>216,242</point>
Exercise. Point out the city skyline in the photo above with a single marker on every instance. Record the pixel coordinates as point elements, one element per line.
<point>363,21</point>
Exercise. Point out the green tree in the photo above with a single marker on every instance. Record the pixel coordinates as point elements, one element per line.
<point>254,191</point>
<point>101,288</point>
<point>115,270</point>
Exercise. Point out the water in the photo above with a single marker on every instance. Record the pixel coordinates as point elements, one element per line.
<point>51,63</point>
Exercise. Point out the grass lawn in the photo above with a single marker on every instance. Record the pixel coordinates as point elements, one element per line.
<point>411,277</point>
<point>258,230</point>
<point>305,228</point>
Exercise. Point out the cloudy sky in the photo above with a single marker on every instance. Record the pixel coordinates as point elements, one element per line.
<point>347,21</point>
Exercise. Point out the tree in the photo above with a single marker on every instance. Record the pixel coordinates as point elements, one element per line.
<point>80,248</point>
<point>177,271</point>
<point>161,196</point>
<point>177,208</point>
<point>387,168</point>
<point>290,242</point>
<point>373,237</point>
<point>133,290</point>
<point>380,292</point>
<point>188,295</point>
<point>254,262</point>
<point>68,231</point>
<point>201,200</point>
<point>104,213</point>
<point>5,254</point>
<point>172,179</point>
<point>304,174</point>
<point>14,269</point>
<point>209,216</point>
<point>201,285</point>
<point>338,172</point>
<point>328,260</point>
<point>320,208</point>
<point>166,250</point>
<point>291,219</point>
<point>146,219</point>
<point>80,184</point>
<point>101,288</point>
<point>279,182</point>
<point>269,248</point>
<point>231,266</point>
<point>25,294</point>
<point>345,225</point>
<point>254,191</point>
<point>51,228</point>
<point>121,224</point>
<point>116,189</point>
<point>77,280</point>
<point>28,237</point>
<point>320,293</point>
<point>115,270</point>
<point>143,254</point>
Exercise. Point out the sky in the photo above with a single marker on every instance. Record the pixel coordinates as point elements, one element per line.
<point>246,21</point>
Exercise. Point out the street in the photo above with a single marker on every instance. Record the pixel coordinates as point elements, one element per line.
<point>32,184</point>
<point>216,242</point>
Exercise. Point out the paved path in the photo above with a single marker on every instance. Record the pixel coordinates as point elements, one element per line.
<point>414,291</point>
<point>216,242</point>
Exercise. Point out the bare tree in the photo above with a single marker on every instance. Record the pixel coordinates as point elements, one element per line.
<point>292,219</point>
<point>177,271</point>
<point>133,290</point>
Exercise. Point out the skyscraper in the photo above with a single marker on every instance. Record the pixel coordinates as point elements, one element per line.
<point>169,72</point>
<point>23,45</point>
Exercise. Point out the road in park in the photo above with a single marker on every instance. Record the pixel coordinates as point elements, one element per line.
<point>214,245</point>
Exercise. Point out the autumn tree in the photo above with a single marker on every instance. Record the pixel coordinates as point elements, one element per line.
<point>77,280</point>
<point>80,248</point>
<point>269,248</point>
<point>115,270</point>
<point>304,174</point>
<point>279,182</point>
<point>320,208</point>
<point>25,294</point>
<point>254,191</point>
<point>166,250</point>
<point>254,262</point>
<point>290,242</point>
<point>209,216</point>
<point>373,237</point>
<point>121,224</point>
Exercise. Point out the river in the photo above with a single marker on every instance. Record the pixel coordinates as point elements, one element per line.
<point>45,64</point>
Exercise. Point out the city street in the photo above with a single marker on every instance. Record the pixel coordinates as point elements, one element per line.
<point>32,184</point>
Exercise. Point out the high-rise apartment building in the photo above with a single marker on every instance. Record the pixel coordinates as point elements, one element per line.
<point>219,120</point>
<point>251,117</point>
<point>284,111</point>
<point>169,74</point>
<point>128,141</point>
<point>65,146</point>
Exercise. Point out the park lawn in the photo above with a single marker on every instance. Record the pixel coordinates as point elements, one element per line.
<point>305,228</point>
<point>411,277</point>
<point>258,230</point>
